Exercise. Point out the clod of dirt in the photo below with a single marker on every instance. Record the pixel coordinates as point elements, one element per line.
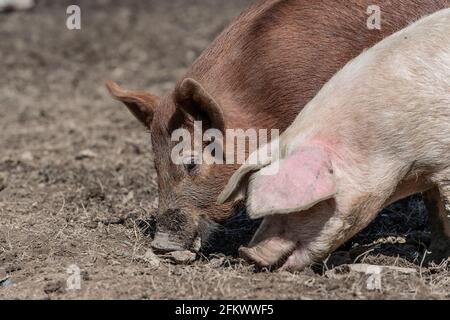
<point>223,261</point>
<point>27,156</point>
<point>126,219</point>
<point>111,220</point>
<point>13,268</point>
<point>85,275</point>
<point>151,258</point>
<point>217,262</point>
<point>86,154</point>
<point>7,257</point>
<point>55,286</point>
<point>91,224</point>
<point>182,257</point>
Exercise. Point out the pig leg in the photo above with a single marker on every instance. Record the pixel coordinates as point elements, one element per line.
<point>437,202</point>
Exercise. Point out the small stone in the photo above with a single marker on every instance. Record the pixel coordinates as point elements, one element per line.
<point>182,257</point>
<point>309,282</point>
<point>332,286</point>
<point>5,282</point>
<point>86,154</point>
<point>217,262</point>
<point>26,156</point>
<point>128,198</point>
<point>151,258</point>
<point>197,244</point>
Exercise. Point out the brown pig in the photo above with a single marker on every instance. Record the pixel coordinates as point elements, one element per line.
<point>377,132</point>
<point>259,73</point>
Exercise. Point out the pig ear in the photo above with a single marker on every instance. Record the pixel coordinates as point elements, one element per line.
<point>140,103</point>
<point>195,102</point>
<point>236,188</point>
<point>302,180</point>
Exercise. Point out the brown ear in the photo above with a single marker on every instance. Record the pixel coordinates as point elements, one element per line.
<point>193,100</point>
<point>140,103</point>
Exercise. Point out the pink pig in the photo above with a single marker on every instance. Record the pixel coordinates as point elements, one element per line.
<point>377,132</point>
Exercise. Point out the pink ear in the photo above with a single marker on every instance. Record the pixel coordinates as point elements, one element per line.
<point>301,180</point>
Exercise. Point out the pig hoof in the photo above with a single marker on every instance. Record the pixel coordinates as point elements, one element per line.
<point>182,257</point>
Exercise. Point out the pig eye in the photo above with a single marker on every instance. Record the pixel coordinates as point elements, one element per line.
<point>191,165</point>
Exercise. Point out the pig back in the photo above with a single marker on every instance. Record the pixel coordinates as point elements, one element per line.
<point>278,54</point>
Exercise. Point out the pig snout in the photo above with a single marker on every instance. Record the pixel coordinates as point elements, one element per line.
<point>175,231</point>
<point>164,242</point>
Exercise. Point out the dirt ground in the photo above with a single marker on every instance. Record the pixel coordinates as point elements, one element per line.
<point>77,180</point>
